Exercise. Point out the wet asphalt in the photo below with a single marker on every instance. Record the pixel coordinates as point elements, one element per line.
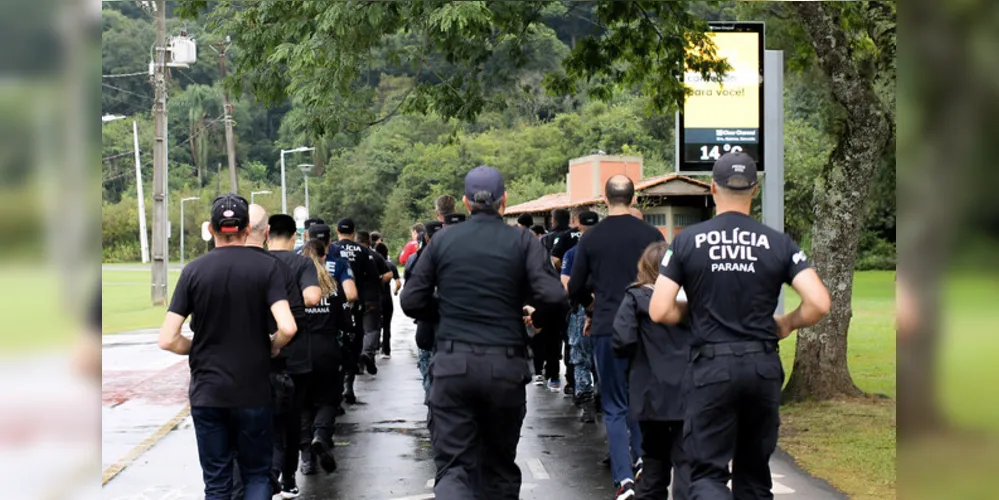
<point>383,447</point>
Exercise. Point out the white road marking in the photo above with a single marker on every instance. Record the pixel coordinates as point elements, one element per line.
<point>537,469</point>
<point>425,496</point>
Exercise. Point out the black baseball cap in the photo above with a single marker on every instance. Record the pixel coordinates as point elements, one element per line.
<point>486,180</point>
<point>589,218</point>
<point>454,218</point>
<point>230,213</point>
<point>320,232</point>
<point>735,171</point>
<point>315,220</point>
<point>345,226</point>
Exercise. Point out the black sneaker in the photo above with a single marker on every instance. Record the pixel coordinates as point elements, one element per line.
<point>323,450</point>
<point>340,411</point>
<point>290,492</point>
<point>638,469</point>
<point>308,467</point>
<point>369,364</point>
<point>350,398</point>
<point>626,491</point>
<point>569,390</point>
<point>586,416</point>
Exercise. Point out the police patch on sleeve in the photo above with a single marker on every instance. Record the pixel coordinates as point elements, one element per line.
<point>799,257</point>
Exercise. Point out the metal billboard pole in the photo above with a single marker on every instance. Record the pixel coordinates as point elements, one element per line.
<point>773,151</point>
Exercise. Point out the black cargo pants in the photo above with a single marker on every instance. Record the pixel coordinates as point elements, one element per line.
<point>732,396</point>
<point>477,402</point>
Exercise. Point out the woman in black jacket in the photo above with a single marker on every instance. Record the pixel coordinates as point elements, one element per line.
<point>657,357</point>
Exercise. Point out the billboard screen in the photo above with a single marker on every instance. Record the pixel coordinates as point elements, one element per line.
<point>727,116</point>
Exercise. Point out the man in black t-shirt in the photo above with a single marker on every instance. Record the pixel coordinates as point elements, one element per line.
<point>605,264</point>
<point>295,359</point>
<point>234,294</point>
<point>367,308</point>
<point>387,304</point>
<point>384,272</point>
<point>732,269</point>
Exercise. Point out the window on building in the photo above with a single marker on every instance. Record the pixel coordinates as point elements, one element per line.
<point>684,220</point>
<point>658,220</point>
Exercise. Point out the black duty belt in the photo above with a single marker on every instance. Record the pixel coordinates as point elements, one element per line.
<point>732,349</point>
<point>454,346</point>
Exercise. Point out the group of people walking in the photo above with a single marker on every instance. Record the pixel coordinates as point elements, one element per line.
<point>673,346</point>
<point>280,336</point>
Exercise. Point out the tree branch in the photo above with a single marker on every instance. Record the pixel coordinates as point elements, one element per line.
<point>833,53</point>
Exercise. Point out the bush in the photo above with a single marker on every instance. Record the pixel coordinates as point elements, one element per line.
<point>880,256</point>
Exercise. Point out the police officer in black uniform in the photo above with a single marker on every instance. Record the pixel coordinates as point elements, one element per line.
<point>484,272</point>
<point>732,269</point>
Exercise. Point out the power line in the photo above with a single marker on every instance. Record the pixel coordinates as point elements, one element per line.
<point>126,75</point>
<point>108,85</point>
<point>207,126</point>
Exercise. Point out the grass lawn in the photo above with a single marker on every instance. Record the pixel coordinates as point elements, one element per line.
<point>851,443</point>
<point>125,300</point>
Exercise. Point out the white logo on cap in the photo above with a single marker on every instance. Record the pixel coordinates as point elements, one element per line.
<point>739,168</point>
<point>228,213</point>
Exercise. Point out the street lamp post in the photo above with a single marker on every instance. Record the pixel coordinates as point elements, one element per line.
<point>254,193</point>
<point>305,168</point>
<point>182,226</point>
<point>284,191</point>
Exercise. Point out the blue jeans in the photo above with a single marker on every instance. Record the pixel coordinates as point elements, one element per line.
<point>245,432</point>
<point>580,354</point>
<point>623,434</point>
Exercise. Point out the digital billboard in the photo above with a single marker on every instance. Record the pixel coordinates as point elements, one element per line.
<point>725,116</point>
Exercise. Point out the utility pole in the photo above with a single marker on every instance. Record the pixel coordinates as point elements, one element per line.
<point>230,141</point>
<point>159,268</point>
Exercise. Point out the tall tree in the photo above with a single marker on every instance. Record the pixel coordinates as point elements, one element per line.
<point>820,364</point>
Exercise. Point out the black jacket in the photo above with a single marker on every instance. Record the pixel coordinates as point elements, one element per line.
<point>658,356</point>
<point>484,273</point>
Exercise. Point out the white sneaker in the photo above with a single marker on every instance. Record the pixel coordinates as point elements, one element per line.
<point>539,380</point>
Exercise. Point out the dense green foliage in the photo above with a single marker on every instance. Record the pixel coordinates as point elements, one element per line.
<point>400,99</point>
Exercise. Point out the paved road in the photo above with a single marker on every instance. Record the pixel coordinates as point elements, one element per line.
<point>382,445</point>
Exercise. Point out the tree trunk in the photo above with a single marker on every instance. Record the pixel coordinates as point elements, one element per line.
<point>820,364</point>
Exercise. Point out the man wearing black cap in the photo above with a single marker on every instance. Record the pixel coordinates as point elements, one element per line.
<point>485,272</point>
<point>236,295</point>
<point>305,235</point>
<point>734,379</point>
<point>367,309</point>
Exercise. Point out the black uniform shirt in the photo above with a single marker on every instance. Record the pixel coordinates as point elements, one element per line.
<point>228,293</point>
<point>732,268</point>
<point>606,263</point>
<point>301,275</point>
<point>381,267</point>
<point>366,276</point>
<point>564,242</point>
<point>484,272</point>
<point>548,240</point>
